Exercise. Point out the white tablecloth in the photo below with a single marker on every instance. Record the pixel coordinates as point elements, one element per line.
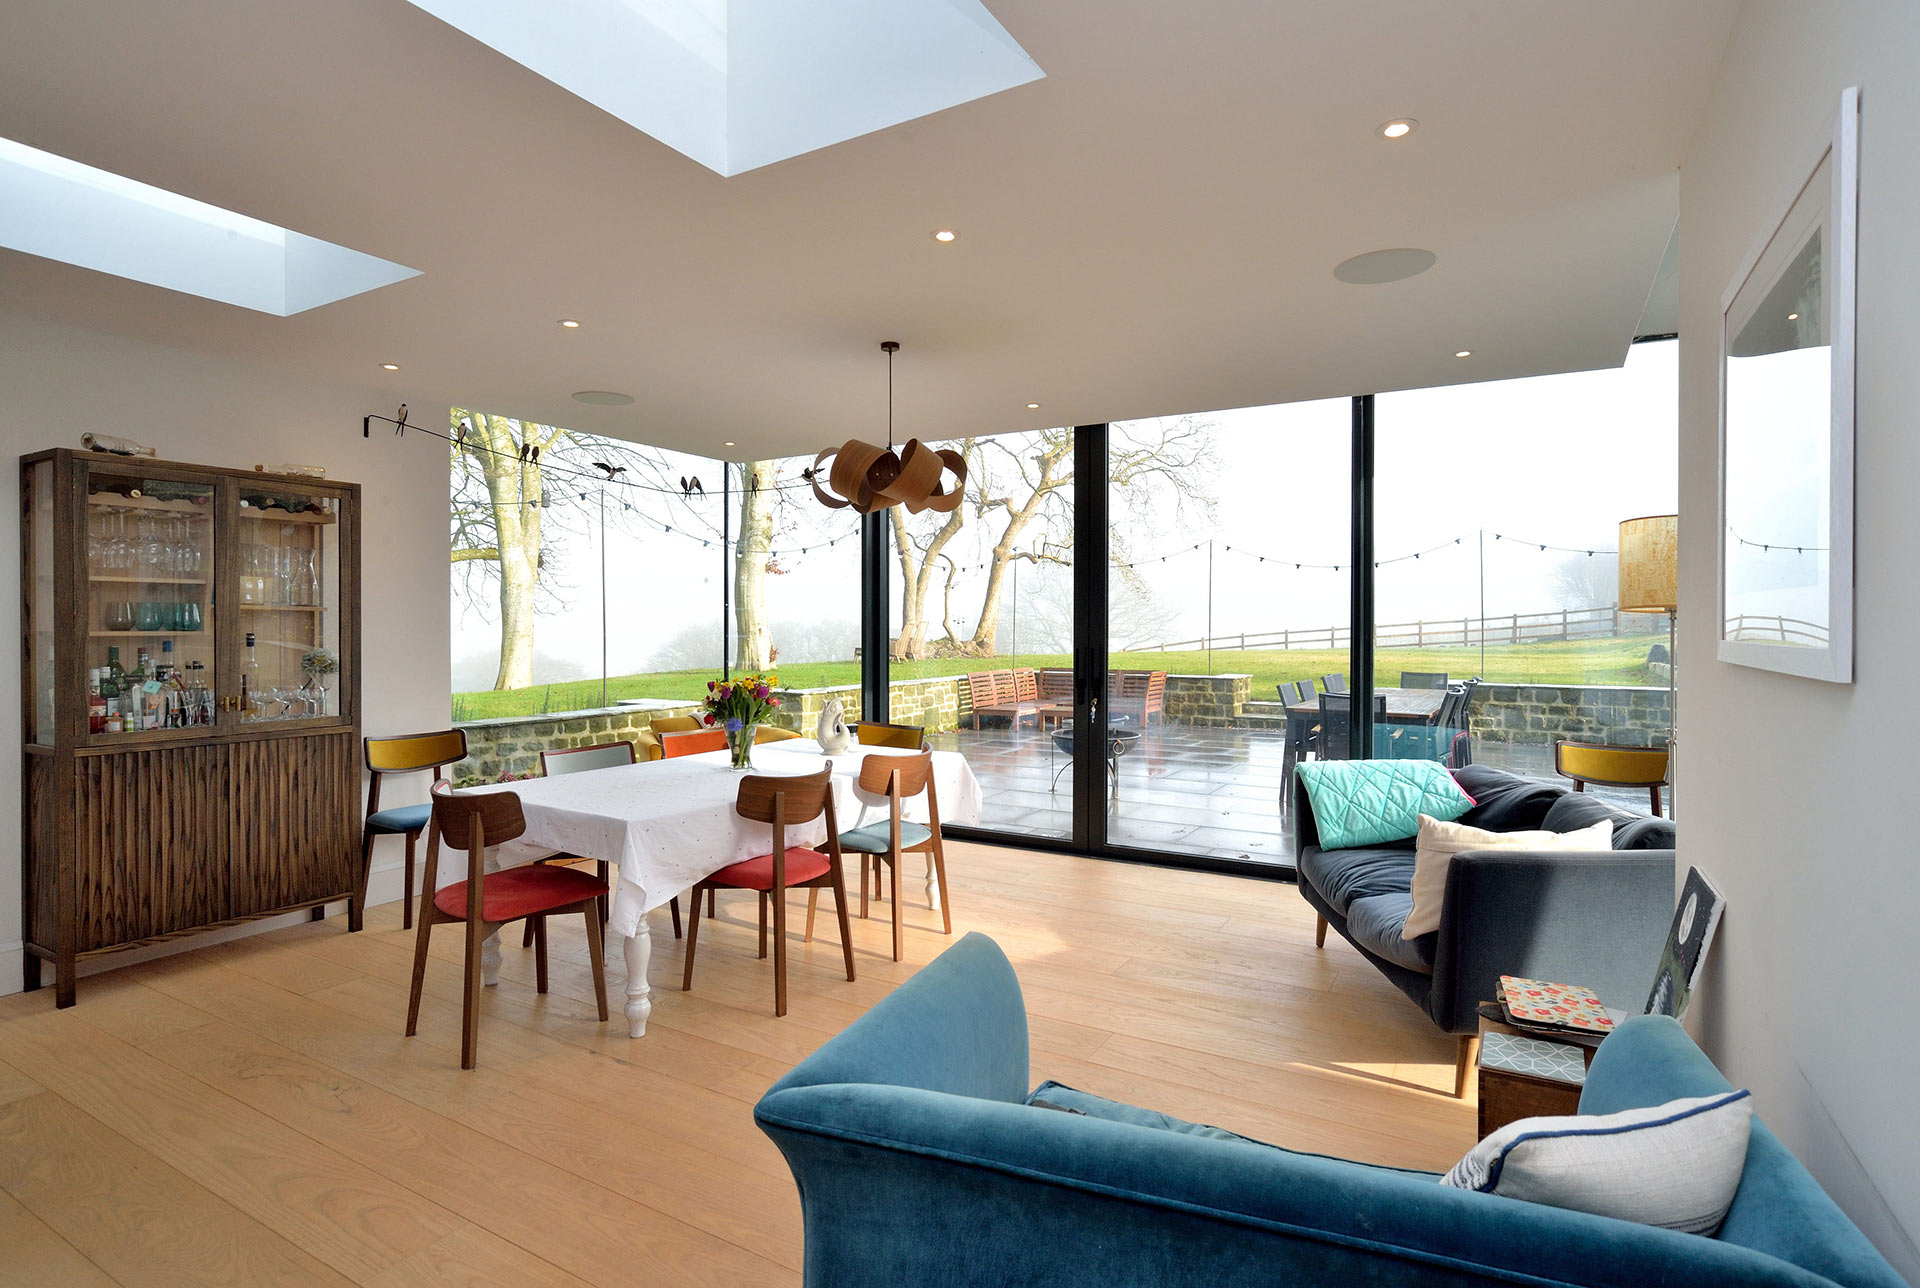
<point>666,824</point>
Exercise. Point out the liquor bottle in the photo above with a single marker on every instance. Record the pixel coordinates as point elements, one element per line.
<point>139,702</point>
<point>96,702</point>
<point>113,688</point>
<point>164,672</point>
<point>249,680</point>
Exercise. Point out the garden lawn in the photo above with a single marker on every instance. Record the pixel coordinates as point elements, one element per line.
<point>1619,660</point>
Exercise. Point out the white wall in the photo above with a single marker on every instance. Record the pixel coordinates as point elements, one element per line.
<point>1798,795</point>
<point>57,383</point>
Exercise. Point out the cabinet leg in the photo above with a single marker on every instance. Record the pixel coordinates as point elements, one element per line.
<point>63,973</point>
<point>319,912</point>
<point>29,972</point>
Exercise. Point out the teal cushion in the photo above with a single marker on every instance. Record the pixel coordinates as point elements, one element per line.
<point>874,837</point>
<point>407,818</point>
<point>1366,802</point>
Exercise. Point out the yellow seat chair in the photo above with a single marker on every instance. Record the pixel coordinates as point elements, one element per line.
<point>872,733</point>
<point>1610,766</point>
<point>404,754</point>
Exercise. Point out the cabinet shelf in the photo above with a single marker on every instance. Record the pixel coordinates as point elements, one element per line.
<point>283,608</point>
<point>285,516</point>
<point>116,501</point>
<point>97,579</point>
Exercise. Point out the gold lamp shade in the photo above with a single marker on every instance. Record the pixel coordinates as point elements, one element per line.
<point>1650,564</point>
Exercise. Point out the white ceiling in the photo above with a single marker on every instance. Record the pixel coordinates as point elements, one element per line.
<point>1150,229</point>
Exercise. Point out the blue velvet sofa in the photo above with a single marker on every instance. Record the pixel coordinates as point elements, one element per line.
<point>919,1162</point>
<point>1597,919</point>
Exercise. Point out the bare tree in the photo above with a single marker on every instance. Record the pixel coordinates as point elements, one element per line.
<point>753,562</point>
<point>1587,581</point>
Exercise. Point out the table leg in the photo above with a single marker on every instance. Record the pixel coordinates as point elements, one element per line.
<point>933,887</point>
<point>490,946</point>
<point>639,992</point>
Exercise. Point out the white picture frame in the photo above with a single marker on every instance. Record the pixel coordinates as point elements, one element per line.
<point>1783,567</point>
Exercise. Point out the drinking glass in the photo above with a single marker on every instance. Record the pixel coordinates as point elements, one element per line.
<point>306,576</point>
<point>192,622</point>
<point>119,616</point>
<point>146,616</point>
<point>252,582</point>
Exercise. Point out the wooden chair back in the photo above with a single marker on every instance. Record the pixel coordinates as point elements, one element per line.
<point>772,733</point>
<point>873,733</point>
<point>472,821</point>
<point>1056,684</point>
<point>692,743</point>
<point>674,724</point>
<point>882,775</point>
<point>1423,679</point>
<point>984,688</point>
<point>1026,686</point>
<point>782,800</point>
<point>576,760</point>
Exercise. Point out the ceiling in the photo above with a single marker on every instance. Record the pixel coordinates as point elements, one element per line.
<point>1150,229</point>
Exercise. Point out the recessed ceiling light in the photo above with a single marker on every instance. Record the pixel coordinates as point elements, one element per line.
<point>603,398</point>
<point>570,324</point>
<point>1463,353</point>
<point>1793,317</point>
<point>1399,128</point>
<point>728,443</point>
<point>1378,266</point>
<point>391,366</point>
<point>1033,406</point>
<point>945,235</point>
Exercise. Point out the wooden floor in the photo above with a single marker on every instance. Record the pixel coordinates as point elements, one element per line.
<point>250,1114</point>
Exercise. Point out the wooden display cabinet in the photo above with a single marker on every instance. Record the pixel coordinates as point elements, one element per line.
<point>219,781</point>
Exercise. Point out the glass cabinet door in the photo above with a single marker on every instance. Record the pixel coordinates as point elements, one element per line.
<point>288,601</point>
<point>150,658</point>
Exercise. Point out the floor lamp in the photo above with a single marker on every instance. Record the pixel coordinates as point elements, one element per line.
<point>1650,583</point>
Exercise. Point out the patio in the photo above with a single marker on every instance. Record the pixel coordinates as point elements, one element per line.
<point>1184,789</point>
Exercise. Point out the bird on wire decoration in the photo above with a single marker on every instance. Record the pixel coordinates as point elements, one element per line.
<point>400,422</point>
<point>690,487</point>
<point>869,479</point>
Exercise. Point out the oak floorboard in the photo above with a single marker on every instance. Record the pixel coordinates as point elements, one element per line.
<point>252,1112</point>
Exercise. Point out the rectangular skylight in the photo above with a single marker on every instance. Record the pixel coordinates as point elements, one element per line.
<point>738,84</point>
<point>60,209</point>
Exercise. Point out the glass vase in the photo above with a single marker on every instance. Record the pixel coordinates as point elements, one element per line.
<point>740,747</point>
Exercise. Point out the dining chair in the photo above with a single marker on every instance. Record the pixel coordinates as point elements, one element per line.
<point>576,760</point>
<point>1423,679</point>
<point>486,901</point>
<point>402,754</point>
<point>873,733</point>
<point>1335,683</point>
<point>1606,765</point>
<point>772,733</point>
<point>783,802</point>
<point>674,724</point>
<point>899,779</point>
<point>692,743</point>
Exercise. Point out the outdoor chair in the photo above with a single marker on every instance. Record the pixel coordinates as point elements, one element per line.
<point>406,754</point>
<point>1423,679</point>
<point>1336,723</point>
<point>1606,765</point>
<point>1335,683</point>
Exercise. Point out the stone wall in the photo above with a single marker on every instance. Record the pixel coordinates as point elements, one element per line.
<point>1215,701</point>
<point>1628,716</point>
<point>513,745</point>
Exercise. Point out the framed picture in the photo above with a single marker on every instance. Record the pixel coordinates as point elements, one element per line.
<point>1694,920</point>
<point>1786,427</point>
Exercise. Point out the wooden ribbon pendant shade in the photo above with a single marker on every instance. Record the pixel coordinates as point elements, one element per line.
<point>869,479</point>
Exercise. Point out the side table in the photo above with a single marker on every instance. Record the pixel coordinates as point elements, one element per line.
<point>1526,1076</point>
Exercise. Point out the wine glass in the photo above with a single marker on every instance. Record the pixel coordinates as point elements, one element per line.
<point>119,616</point>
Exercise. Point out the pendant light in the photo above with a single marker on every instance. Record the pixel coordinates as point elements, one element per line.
<point>870,479</point>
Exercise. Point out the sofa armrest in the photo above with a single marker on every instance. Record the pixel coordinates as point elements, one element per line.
<point>959,1027</point>
<point>1596,919</point>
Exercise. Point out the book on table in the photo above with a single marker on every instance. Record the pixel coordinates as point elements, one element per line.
<point>1563,1008</point>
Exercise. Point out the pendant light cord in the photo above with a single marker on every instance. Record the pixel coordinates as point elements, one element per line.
<point>889,400</point>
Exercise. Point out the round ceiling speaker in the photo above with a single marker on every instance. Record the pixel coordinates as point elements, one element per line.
<point>1377,266</point>
<point>603,398</point>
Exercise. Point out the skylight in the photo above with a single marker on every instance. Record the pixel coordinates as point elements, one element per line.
<point>60,209</point>
<point>738,84</point>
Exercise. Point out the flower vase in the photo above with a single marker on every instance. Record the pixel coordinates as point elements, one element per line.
<point>740,746</point>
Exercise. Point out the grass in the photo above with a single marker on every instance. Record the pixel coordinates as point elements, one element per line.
<point>1620,660</point>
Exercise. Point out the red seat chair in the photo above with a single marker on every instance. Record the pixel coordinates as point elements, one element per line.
<point>783,802</point>
<point>486,902</point>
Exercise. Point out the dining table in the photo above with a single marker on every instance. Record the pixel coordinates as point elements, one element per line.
<point>1404,707</point>
<point>664,825</point>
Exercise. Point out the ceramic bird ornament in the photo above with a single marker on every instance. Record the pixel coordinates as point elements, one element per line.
<point>833,735</point>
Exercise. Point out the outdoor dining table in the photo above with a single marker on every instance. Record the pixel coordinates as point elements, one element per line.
<point>1404,706</point>
<point>664,825</point>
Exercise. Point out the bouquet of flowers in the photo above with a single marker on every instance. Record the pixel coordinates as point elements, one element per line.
<point>738,705</point>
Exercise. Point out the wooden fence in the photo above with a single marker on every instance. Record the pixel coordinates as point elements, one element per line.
<point>1452,632</point>
<point>1776,630</point>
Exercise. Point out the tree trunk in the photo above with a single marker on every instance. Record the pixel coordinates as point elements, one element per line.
<point>753,649</point>
<point>916,574</point>
<point>511,485</point>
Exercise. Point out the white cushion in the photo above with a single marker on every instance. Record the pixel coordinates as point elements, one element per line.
<point>1438,842</point>
<point>1675,1165</point>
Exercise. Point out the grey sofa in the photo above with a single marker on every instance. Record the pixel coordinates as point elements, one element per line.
<point>1594,919</point>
